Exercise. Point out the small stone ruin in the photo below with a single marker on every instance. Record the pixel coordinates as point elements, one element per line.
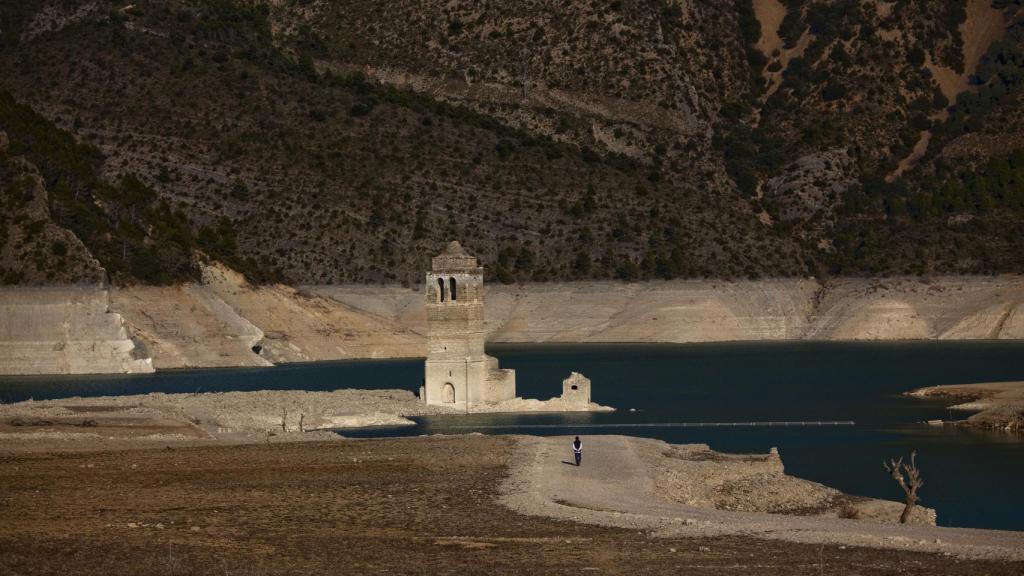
<point>576,389</point>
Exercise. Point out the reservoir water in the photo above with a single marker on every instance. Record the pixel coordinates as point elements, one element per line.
<point>972,478</point>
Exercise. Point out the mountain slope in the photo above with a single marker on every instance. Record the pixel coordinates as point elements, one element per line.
<point>324,142</point>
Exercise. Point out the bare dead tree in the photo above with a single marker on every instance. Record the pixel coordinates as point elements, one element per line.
<point>909,479</point>
<point>302,418</point>
<point>284,419</point>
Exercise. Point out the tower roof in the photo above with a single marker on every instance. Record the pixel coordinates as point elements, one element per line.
<point>454,249</point>
<point>454,257</point>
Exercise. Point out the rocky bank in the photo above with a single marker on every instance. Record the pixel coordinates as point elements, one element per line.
<point>713,311</point>
<point>224,321</point>
<point>67,330</point>
<point>995,405</point>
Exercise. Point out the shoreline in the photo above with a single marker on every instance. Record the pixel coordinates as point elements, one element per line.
<point>671,491</point>
<point>225,418</point>
<point>637,484</point>
<point>995,405</point>
<point>225,322</point>
<point>17,378</point>
<point>207,418</point>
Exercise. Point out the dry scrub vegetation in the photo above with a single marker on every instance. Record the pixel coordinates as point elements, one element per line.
<point>325,142</point>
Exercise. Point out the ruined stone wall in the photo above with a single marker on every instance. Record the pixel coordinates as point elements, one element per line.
<point>500,384</point>
<point>576,389</point>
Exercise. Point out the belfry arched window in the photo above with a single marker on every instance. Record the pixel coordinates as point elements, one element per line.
<point>440,289</point>
<point>454,292</point>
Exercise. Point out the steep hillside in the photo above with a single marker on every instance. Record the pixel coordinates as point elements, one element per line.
<point>32,248</point>
<point>325,142</point>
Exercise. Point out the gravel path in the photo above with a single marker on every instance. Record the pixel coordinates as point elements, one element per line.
<point>615,487</point>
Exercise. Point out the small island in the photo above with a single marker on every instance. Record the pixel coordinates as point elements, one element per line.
<point>996,405</point>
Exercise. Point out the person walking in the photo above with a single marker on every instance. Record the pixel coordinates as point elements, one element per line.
<point>577,450</point>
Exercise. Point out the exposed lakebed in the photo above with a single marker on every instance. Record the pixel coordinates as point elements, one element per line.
<point>971,477</point>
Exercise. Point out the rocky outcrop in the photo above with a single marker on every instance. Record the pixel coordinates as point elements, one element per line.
<point>222,322</point>
<point>812,183</point>
<point>35,248</point>
<point>229,416</point>
<point>299,326</point>
<point>64,331</point>
<point>227,322</point>
<point>188,326</point>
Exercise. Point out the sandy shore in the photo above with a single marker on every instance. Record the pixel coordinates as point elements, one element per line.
<point>998,405</point>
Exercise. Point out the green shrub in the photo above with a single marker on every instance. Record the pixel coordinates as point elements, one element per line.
<point>915,57</point>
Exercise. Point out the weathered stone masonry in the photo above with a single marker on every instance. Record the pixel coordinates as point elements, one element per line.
<point>458,373</point>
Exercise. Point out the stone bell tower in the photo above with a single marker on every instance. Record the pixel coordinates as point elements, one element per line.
<point>458,373</point>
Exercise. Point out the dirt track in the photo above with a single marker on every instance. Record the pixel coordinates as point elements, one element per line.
<point>411,506</point>
<point>618,488</point>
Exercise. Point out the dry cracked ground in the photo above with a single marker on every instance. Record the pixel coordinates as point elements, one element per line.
<point>411,506</point>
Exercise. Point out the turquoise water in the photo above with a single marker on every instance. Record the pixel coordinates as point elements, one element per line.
<point>972,478</point>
